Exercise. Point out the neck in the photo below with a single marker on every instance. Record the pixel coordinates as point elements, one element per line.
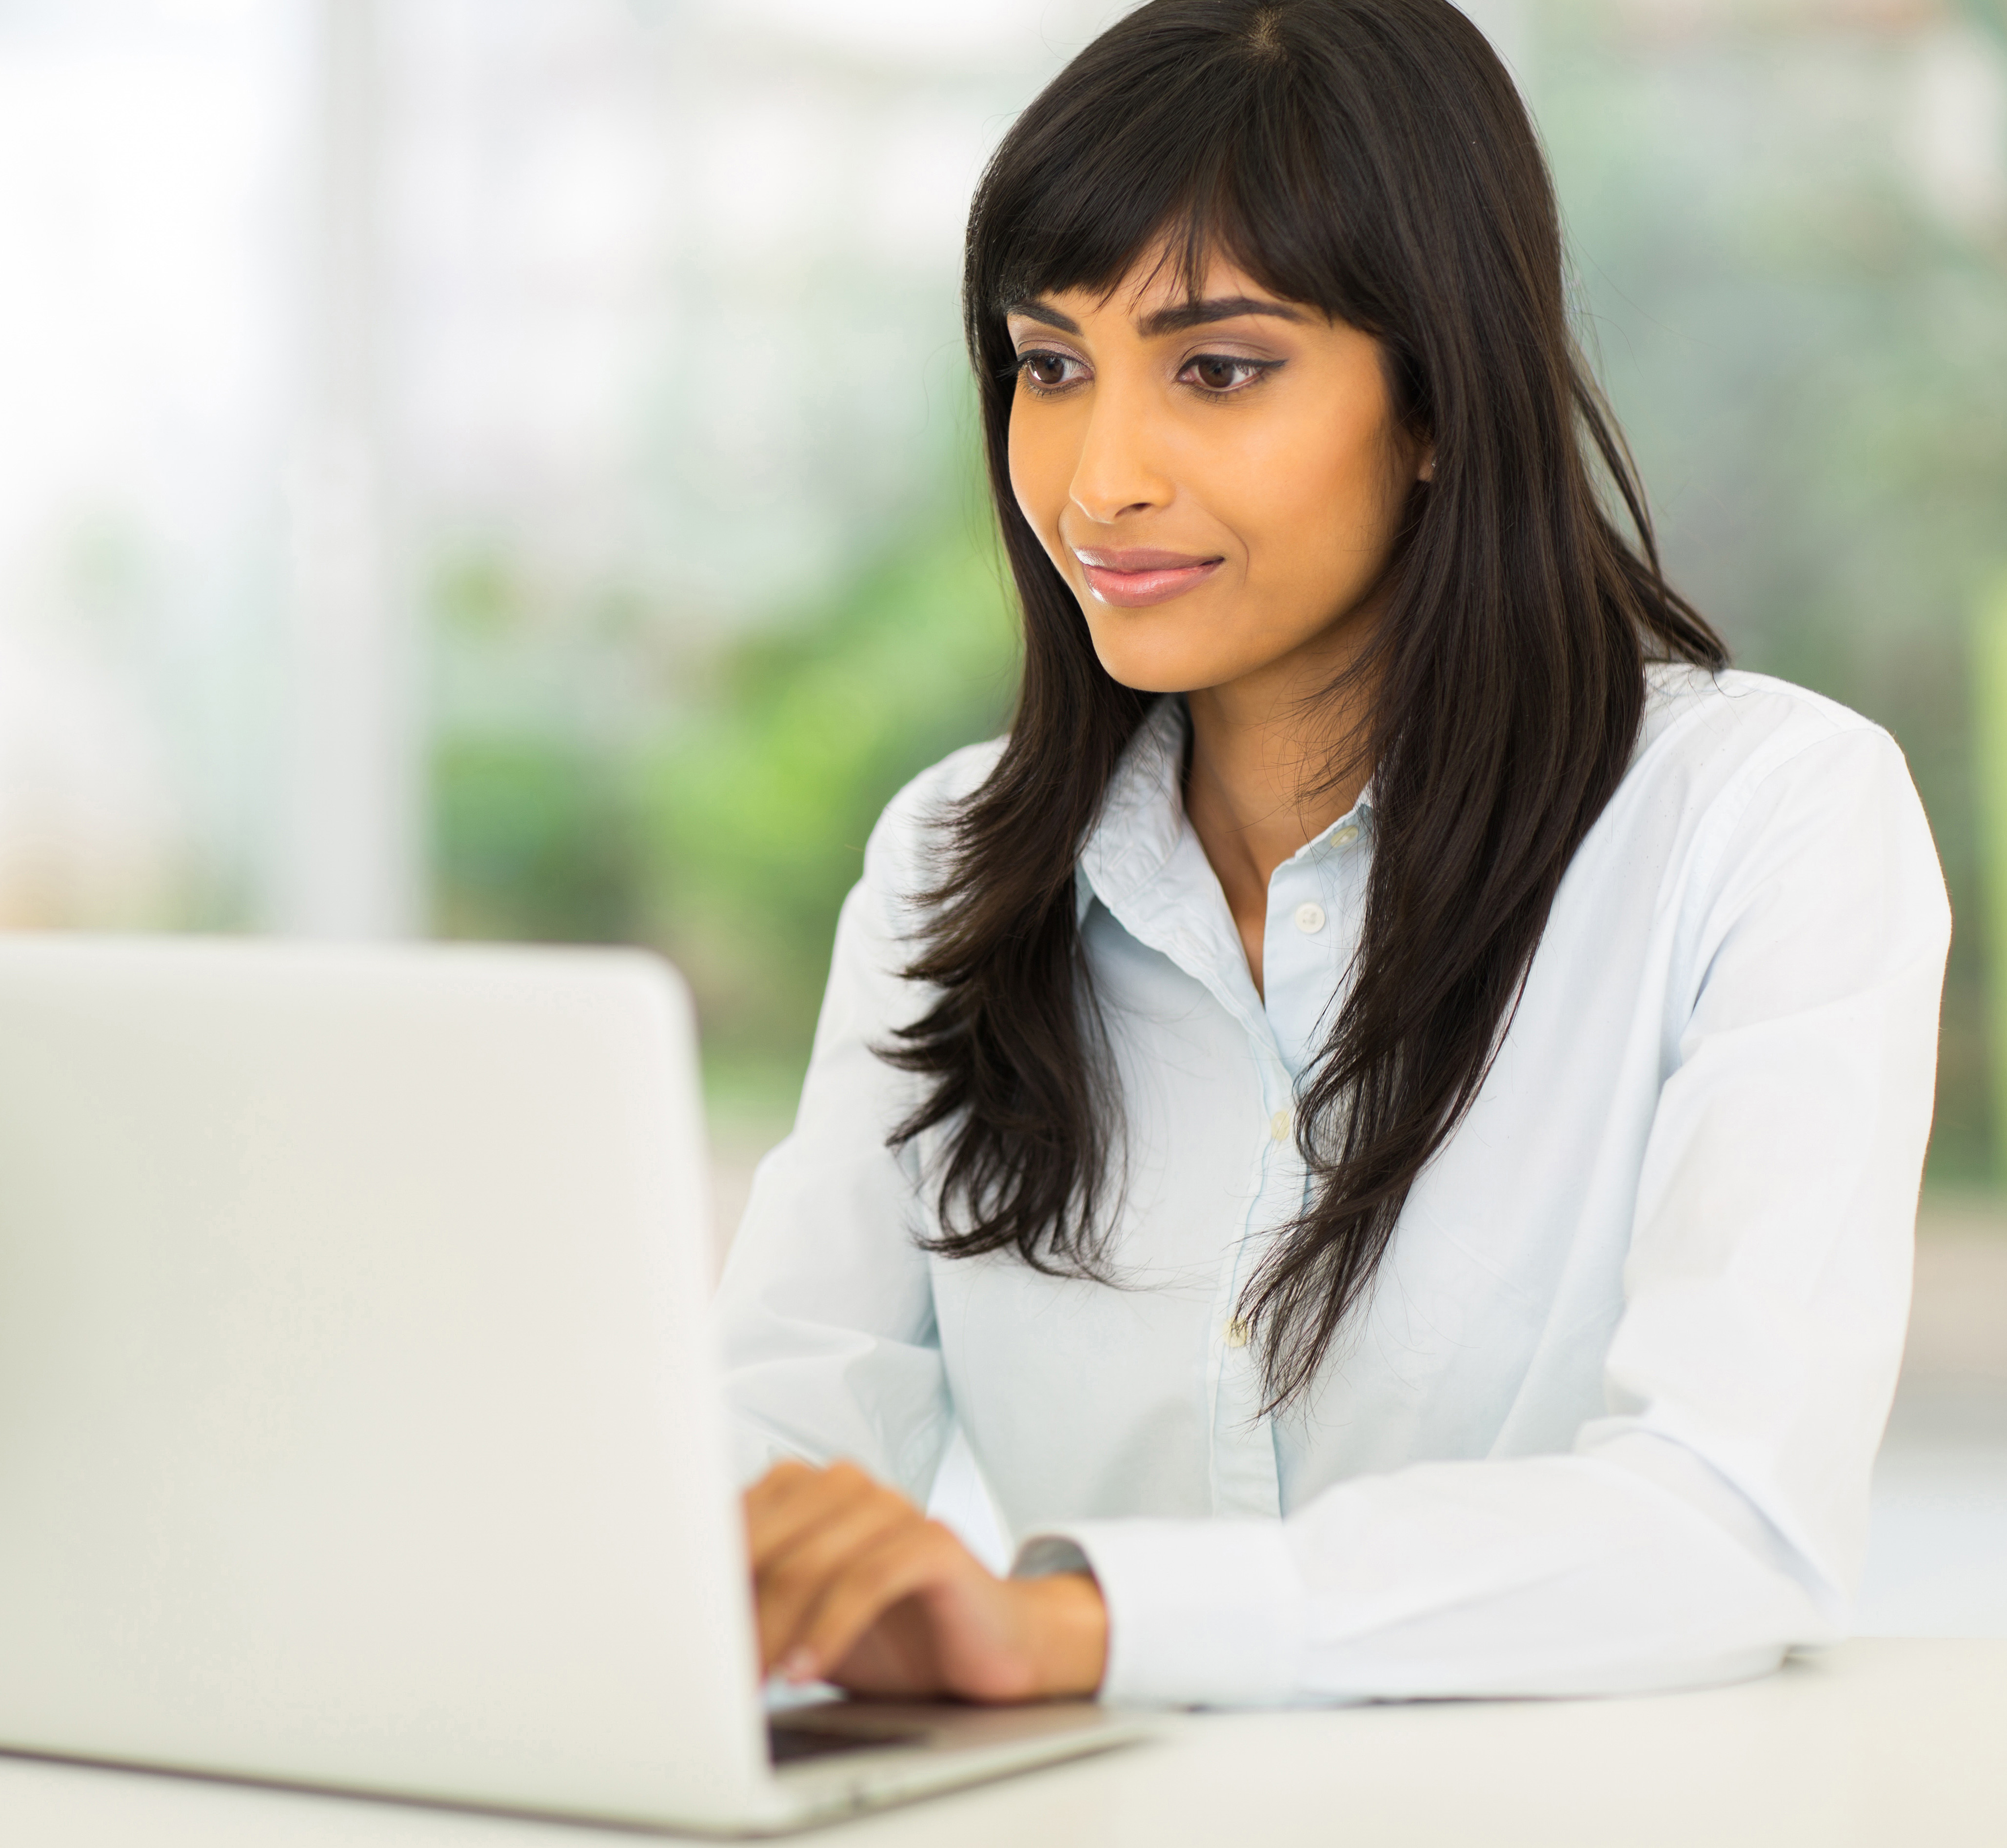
<point>1261,784</point>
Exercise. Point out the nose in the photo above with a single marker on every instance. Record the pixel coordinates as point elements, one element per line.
<point>1114,472</point>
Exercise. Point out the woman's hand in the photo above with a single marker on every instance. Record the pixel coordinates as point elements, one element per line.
<point>854,1584</point>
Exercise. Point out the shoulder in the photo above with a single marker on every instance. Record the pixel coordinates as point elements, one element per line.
<point>1752,719</point>
<point>1710,741</point>
<point>902,858</point>
<point>1735,772</point>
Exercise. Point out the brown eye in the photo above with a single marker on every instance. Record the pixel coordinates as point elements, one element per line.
<point>1219,374</point>
<point>1047,370</point>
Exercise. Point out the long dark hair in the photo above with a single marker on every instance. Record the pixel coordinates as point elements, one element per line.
<point>1371,158</point>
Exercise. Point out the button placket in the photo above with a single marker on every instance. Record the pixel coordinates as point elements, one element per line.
<point>1245,1479</point>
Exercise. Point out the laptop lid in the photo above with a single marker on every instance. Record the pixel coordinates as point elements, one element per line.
<point>357,1427</point>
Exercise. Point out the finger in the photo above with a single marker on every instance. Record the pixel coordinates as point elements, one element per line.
<point>914,1559</point>
<point>793,1581</point>
<point>784,1483</point>
<point>802,1524</point>
<point>789,1469</point>
<point>803,1499</point>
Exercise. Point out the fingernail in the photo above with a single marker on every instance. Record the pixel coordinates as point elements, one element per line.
<point>798,1666</point>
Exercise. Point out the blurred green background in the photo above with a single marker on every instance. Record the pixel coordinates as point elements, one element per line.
<point>721,813</point>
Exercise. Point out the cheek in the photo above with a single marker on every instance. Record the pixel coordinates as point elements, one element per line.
<point>1039,471</point>
<point>1318,498</point>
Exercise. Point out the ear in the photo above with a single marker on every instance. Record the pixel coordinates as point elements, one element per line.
<point>1427,471</point>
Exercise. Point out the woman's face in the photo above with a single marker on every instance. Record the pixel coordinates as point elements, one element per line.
<point>1220,480</point>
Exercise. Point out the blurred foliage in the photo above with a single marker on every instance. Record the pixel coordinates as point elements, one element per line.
<point>538,842</point>
<point>532,820</point>
<point>723,825</point>
<point>757,807</point>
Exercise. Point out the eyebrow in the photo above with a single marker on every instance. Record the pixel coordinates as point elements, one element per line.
<point>1037,311</point>
<point>1220,308</point>
<point>1167,320</point>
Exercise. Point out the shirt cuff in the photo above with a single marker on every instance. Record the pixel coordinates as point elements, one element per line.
<point>1200,1613</point>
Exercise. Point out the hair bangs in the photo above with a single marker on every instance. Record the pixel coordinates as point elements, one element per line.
<point>1211,163</point>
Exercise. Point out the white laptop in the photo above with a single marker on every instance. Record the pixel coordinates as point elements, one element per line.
<point>358,1425</point>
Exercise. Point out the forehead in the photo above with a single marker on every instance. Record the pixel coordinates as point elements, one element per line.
<point>1159,279</point>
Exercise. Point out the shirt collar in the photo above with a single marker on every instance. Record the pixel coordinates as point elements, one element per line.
<point>1143,814</point>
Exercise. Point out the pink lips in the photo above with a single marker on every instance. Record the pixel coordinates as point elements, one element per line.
<point>1134,578</point>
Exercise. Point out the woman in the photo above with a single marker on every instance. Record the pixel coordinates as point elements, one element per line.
<point>1389,1108</point>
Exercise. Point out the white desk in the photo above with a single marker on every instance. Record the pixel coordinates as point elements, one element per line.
<point>1881,1742</point>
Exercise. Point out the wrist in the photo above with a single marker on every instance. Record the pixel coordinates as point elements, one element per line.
<point>1070,1626</point>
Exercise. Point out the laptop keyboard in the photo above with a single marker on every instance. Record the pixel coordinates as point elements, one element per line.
<point>790,1741</point>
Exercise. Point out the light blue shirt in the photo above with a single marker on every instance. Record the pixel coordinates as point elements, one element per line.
<point>1607,1419</point>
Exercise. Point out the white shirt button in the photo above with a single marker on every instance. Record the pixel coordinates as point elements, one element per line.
<point>1346,835</point>
<point>1310,919</point>
<point>1236,1333</point>
<point>1279,1126</point>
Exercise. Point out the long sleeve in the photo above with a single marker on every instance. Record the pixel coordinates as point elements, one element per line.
<point>825,1314</point>
<point>1714,1516</point>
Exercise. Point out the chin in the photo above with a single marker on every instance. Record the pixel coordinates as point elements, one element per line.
<point>1159,662</point>
<point>1153,673</point>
